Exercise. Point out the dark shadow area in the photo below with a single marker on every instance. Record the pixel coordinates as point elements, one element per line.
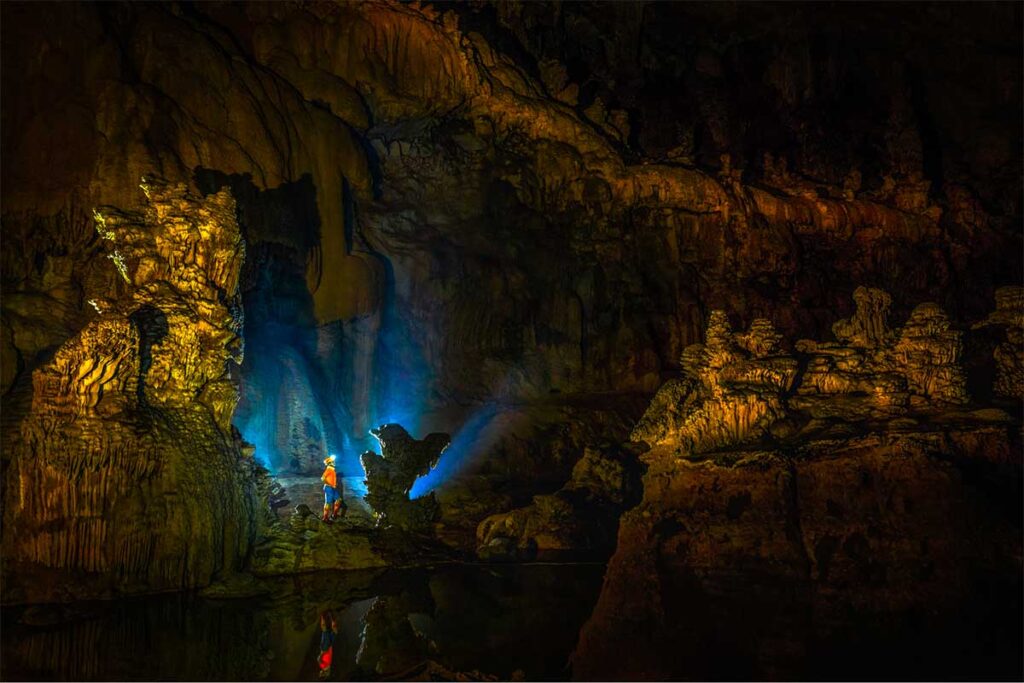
<point>151,324</point>
<point>479,622</point>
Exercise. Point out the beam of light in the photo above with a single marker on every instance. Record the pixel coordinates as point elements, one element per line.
<point>255,429</point>
<point>402,376</point>
<point>355,486</point>
<point>343,380</point>
<point>475,436</point>
<point>256,414</point>
<point>284,389</point>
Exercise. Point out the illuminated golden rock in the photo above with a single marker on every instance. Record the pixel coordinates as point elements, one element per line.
<point>736,386</point>
<point>927,353</point>
<point>868,328</point>
<point>126,473</point>
<point>97,376</point>
<point>876,372</point>
<point>735,391</point>
<point>360,101</point>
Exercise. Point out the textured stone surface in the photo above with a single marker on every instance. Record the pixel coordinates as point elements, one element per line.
<point>125,474</point>
<point>482,175</point>
<point>1009,354</point>
<point>581,516</point>
<point>739,388</point>
<point>879,525</point>
<point>743,389</point>
<point>304,544</point>
<point>391,474</point>
<point>735,391</point>
<point>870,491</point>
<point>875,371</point>
<point>454,206</point>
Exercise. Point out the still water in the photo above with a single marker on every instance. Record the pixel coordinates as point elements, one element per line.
<point>505,622</point>
<point>450,622</point>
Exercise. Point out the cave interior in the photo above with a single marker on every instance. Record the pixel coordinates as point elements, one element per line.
<point>651,340</point>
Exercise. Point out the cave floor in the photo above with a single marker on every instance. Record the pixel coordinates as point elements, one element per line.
<point>308,489</point>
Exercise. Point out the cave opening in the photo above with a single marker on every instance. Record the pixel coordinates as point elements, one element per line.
<point>308,388</point>
<point>303,394</point>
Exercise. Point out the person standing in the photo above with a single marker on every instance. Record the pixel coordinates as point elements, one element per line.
<point>332,491</point>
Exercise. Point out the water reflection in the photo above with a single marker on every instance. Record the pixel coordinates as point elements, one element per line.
<point>454,622</point>
<point>391,642</point>
<point>502,623</point>
<point>328,631</point>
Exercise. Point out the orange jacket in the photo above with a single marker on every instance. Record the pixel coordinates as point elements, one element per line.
<point>330,477</point>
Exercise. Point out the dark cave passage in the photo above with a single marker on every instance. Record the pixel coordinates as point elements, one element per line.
<point>310,388</point>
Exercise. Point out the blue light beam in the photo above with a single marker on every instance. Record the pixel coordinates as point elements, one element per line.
<point>475,436</point>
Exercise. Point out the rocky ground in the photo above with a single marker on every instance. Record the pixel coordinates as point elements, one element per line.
<point>308,490</point>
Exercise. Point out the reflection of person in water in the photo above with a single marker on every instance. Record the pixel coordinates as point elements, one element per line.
<point>328,632</point>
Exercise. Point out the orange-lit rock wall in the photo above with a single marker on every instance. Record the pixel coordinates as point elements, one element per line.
<point>581,269</point>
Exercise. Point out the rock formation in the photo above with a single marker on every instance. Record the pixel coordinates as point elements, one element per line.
<point>464,203</point>
<point>741,392</point>
<point>824,480</point>
<point>125,473</point>
<point>303,544</point>
<point>1009,355</point>
<point>360,135</point>
<point>875,372</point>
<point>581,516</point>
<point>736,383</point>
<point>391,474</point>
<point>741,388</point>
<point>837,529</point>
